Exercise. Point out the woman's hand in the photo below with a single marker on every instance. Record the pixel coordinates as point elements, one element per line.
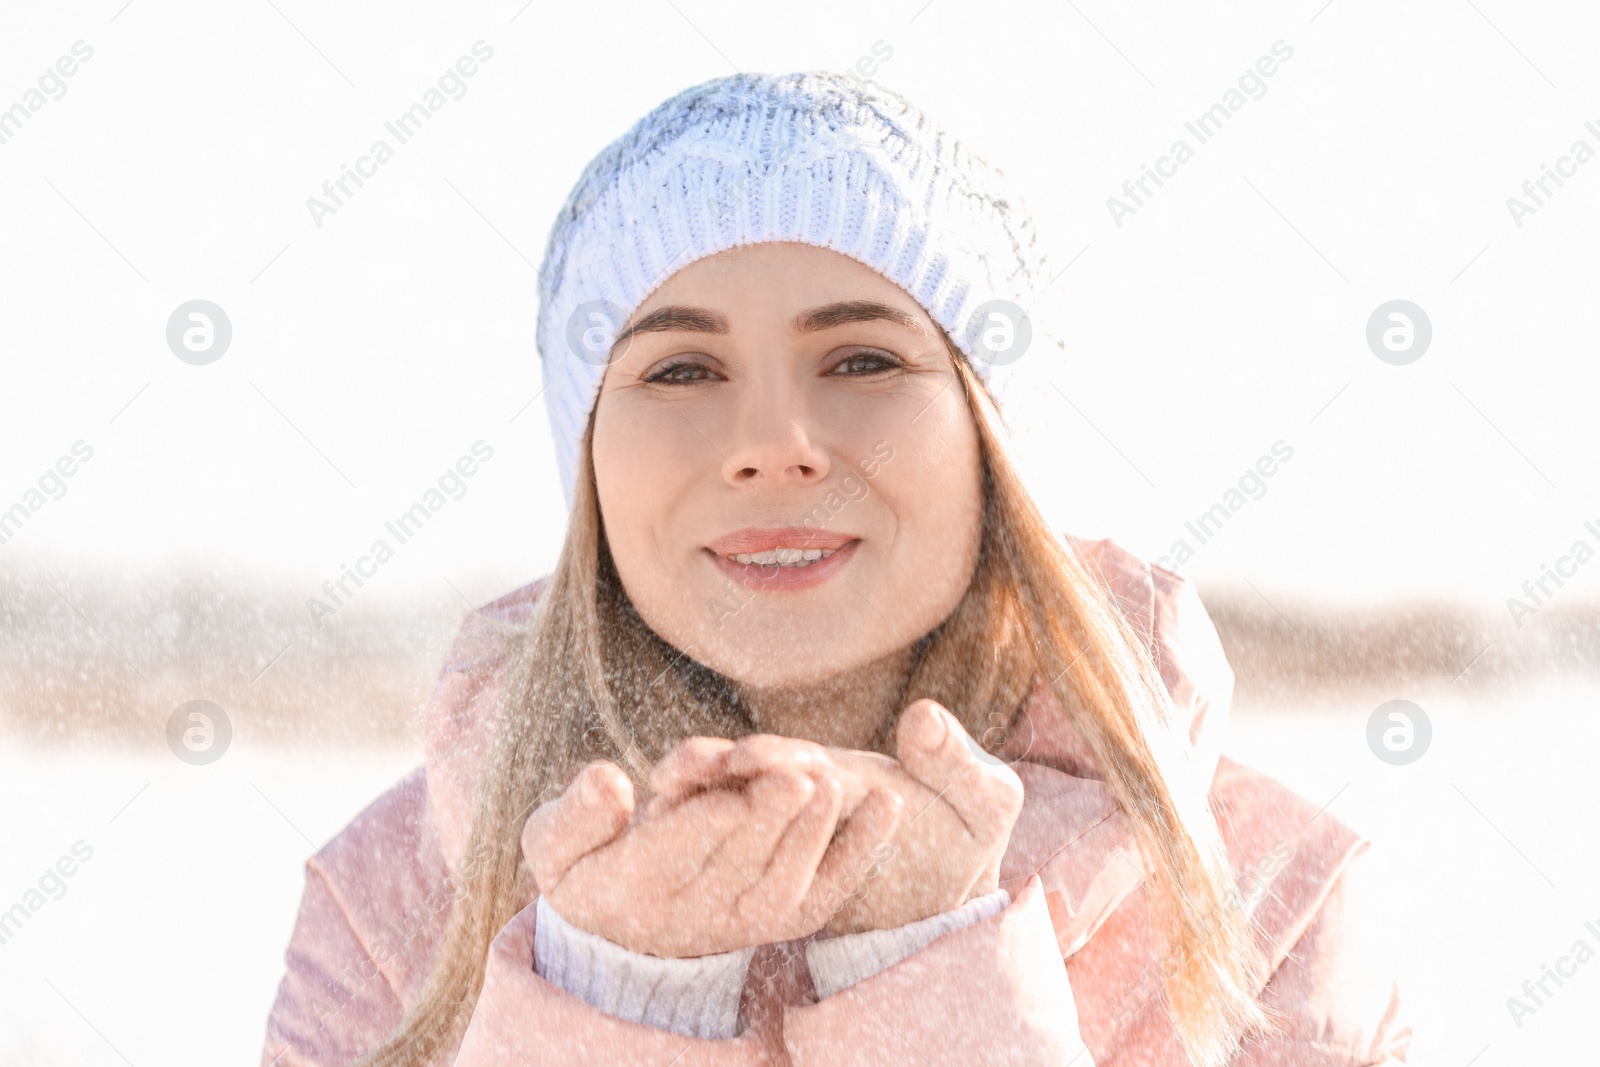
<point>960,806</point>
<point>743,864</point>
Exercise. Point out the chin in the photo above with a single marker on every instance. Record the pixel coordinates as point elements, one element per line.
<point>782,662</point>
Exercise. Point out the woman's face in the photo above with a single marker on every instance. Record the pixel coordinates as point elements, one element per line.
<point>788,472</point>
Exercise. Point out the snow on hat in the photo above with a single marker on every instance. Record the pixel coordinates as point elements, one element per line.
<point>812,157</point>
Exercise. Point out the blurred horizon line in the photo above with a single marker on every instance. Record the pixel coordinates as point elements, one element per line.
<point>89,655</point>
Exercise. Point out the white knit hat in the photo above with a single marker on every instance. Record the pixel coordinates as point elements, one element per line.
<point>810,157</point>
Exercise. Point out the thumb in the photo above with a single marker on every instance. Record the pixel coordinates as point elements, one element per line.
<point>938,752</point>
<point>589,815</point>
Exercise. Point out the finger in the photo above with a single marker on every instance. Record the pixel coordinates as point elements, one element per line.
<point>592,811</point>
<point>862,845</point>
<point>795,857</point>
<point>763,753</point>
<point>710,762</point>
<point>692,764</point>
<point>938,752</point>
<point>675,850</point>
<point>869,772</point>
<point>771,802</point>
<point>729,830</point>
<point>756,754</point>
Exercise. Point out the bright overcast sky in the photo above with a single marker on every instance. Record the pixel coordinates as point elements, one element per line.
<point>1228,313</point>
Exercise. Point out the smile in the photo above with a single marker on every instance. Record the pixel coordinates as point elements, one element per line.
<point>783,557</point>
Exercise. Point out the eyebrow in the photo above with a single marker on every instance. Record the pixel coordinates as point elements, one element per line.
<point>679,318</point>
<point>829,315</point>
<point>675,318</point>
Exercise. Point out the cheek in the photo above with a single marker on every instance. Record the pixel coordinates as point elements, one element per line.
<point>645,468</point>
<point>643,438</point>
<point>934,486</point>
<point>630,483</point>
<point>642,456</point>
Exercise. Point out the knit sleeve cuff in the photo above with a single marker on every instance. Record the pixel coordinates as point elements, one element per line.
<point>840,962</point>
<point>695,997</point>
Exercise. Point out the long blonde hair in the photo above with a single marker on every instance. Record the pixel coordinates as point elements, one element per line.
<point>589,679</point>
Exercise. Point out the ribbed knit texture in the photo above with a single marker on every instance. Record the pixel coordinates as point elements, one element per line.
<point>697,997</point>
<point>810,157</point>
<point>840,962</point>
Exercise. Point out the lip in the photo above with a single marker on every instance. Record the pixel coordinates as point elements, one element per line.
<point>753,539</point>
<point>763,577</point>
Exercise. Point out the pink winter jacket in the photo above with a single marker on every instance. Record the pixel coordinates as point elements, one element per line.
<point>997,992</point>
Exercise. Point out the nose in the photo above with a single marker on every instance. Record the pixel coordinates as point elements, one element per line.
<point>775,445</point>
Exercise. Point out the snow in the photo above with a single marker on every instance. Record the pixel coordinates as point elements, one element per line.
<point>167,946</point>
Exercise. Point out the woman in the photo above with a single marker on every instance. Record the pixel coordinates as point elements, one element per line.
<point>819,747</point>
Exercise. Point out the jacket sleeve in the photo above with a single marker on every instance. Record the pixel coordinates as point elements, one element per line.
<point>700,996</point>
<point>836,963</point>
<point>697,996</point>
<point>1334,991</point>
<point>334,1004</point>
<point>521,1018</point>
<point>995,993</point>
<point>375,902</point>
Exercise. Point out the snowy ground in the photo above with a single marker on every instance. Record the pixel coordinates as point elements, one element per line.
<point>166,947</point>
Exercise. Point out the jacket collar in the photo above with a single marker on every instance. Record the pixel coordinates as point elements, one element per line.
<point>1160,606</point>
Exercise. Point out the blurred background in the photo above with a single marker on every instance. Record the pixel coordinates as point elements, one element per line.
<point>1429,531</point>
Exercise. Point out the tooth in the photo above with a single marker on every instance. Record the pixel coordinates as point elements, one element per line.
<point>782,557</point>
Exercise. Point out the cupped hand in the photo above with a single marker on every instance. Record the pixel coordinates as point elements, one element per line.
<point>960,806</point>
<point>745,863</point>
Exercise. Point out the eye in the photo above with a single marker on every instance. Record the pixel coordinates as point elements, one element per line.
<point>679,372</point>
<point>866,361</point>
